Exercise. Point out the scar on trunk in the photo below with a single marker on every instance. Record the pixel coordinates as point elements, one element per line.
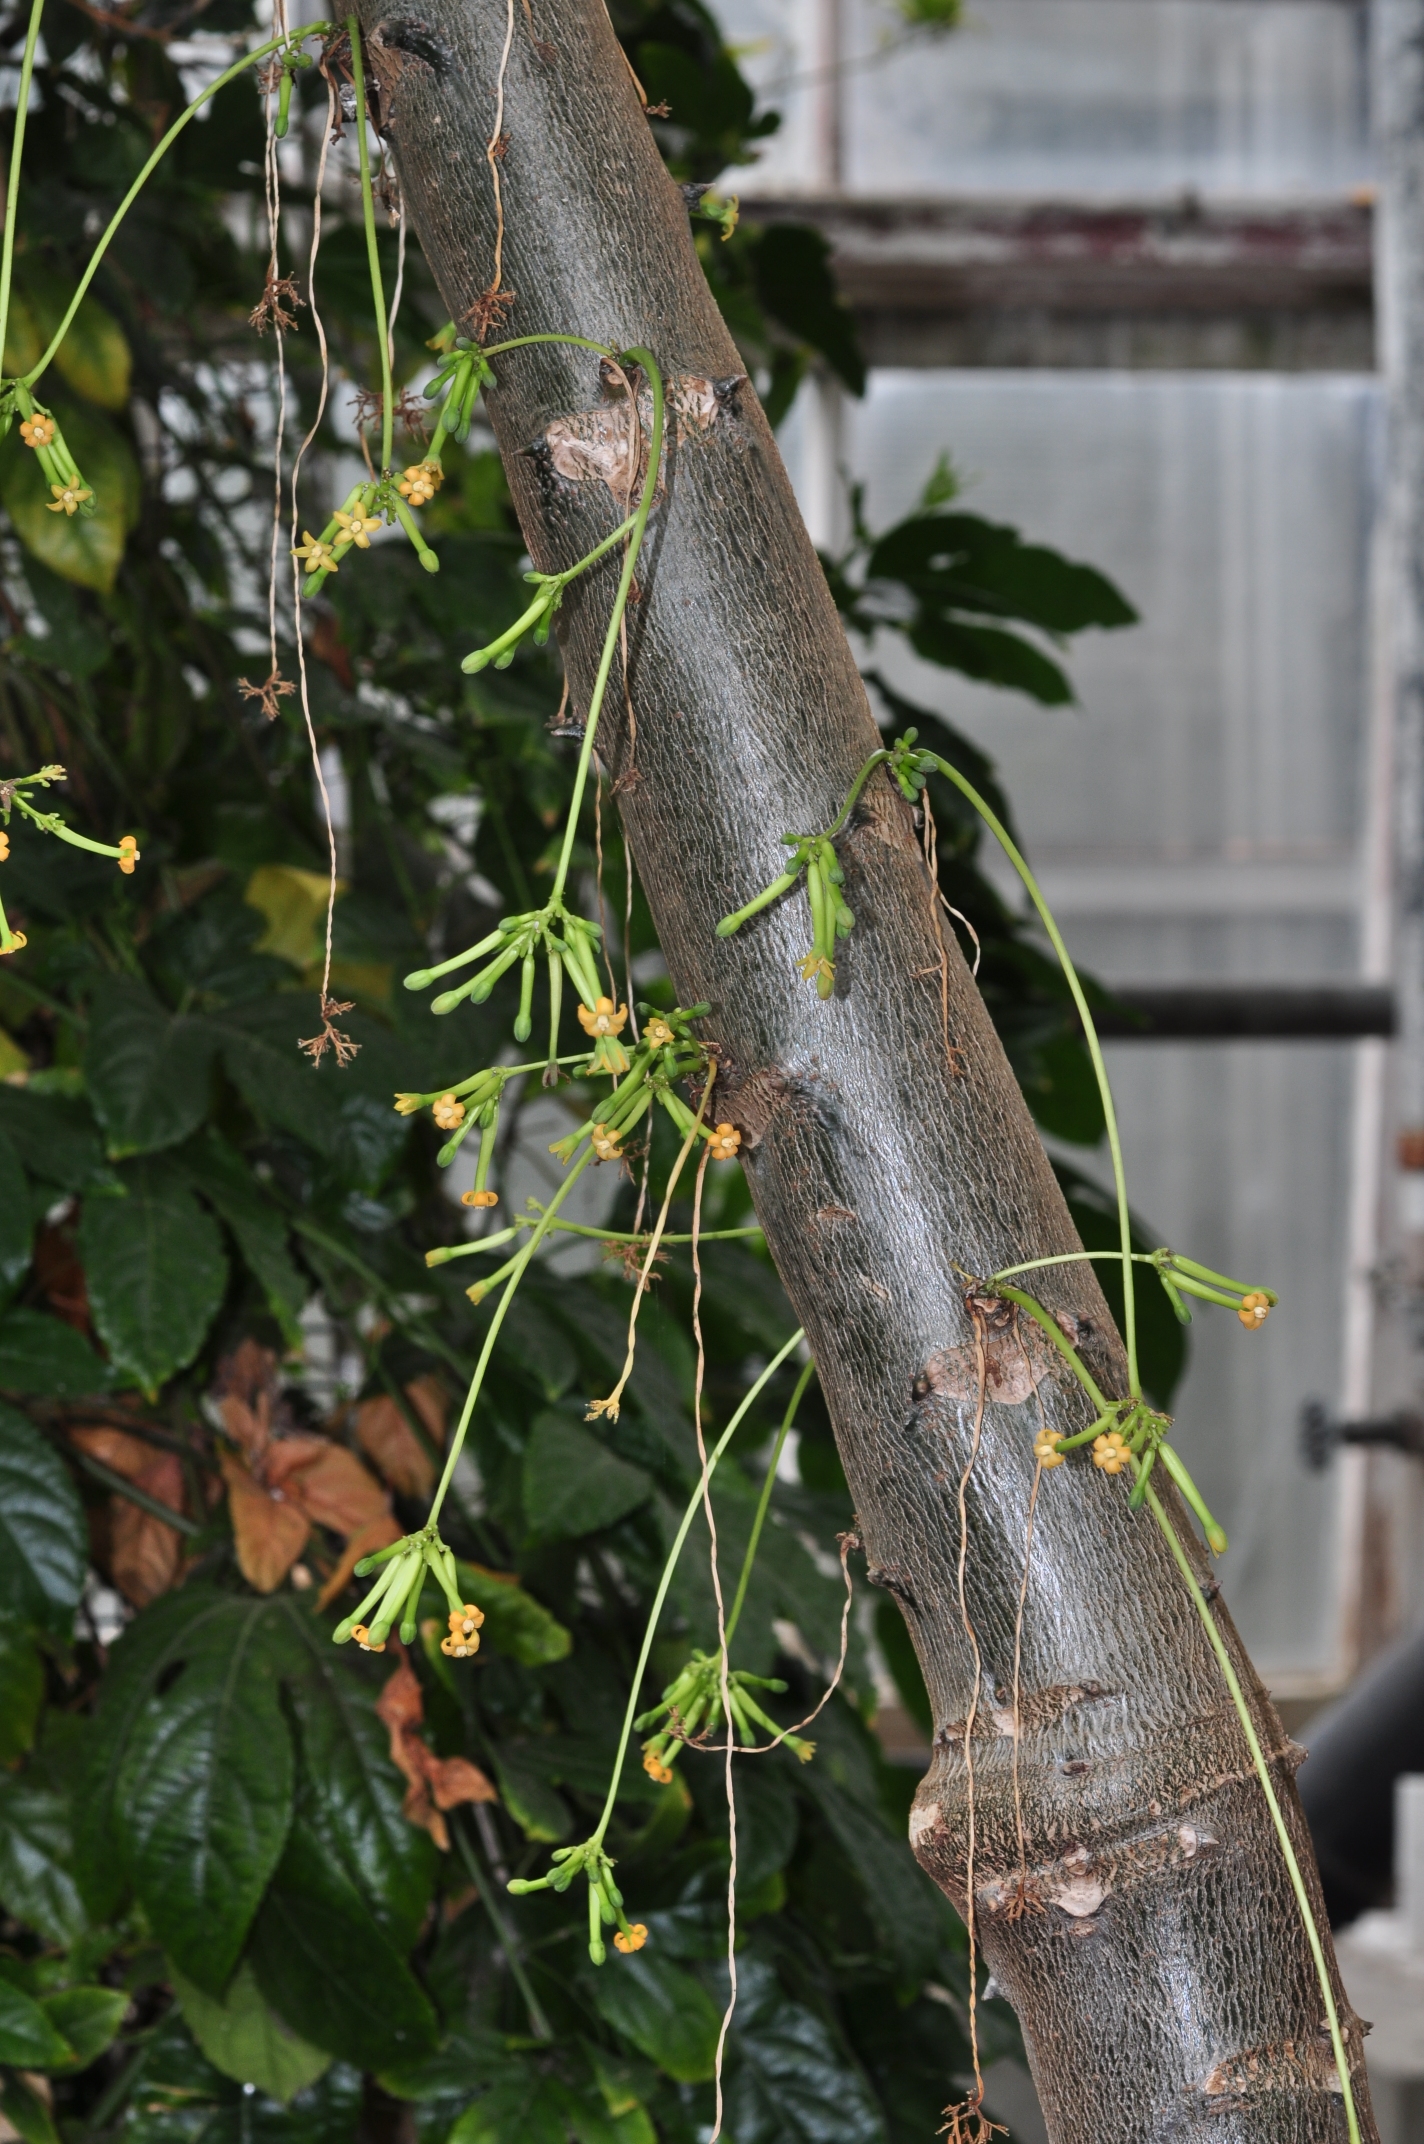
<point>1037,1708</point>
<point>1077,1882</point>
<point>1018,1356</point>
<point>597,446</point>
<point>1288,2066</point>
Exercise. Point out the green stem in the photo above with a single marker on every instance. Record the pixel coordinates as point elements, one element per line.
<point>646,359</point>
<point>1258,1759</point>
<point>764,1506</point>
<point>1063,1344</point>
<point>694,1506</point>
<point>12,198</point>
<point>457,1442</point>
<point>229,74</point>
<point>875,760</point>
<point>368,214</point>
<point>484,1884</point>
<point>1011,850</point>
<point>1067,1258</point>
<point>122,1486</point>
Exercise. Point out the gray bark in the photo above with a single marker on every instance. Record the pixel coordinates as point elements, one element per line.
<point>1161,1974</point>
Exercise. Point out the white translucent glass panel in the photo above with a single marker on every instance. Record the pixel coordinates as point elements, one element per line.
<point>1197,818</point>
<point>1214,768</point>
<point>1143,98</point>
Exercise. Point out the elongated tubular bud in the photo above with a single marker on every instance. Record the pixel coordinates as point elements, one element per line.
<point>443,1253</point>
<point>596,1950</point>
<point>481,1288</point>
<point>284,106</point>
<point>582,972</point>
<point>479,986</point>
<point>489,1132</point>
<point>556,999</point>
<point>382,1586</point>
<point>456,1140</point>
<point>1183,1266</point>
<point>422,978</point>
<point>524,1018</point>
<point>521,1886</point>
<point>394,1596</point>
<point>1180,1310</point>
<point>373,1562</point>
<point>410,1611</point>
<point>509,639</point>
<point>1139,1488</point>
<point>407,521</point>
<point>1215,1537</point>
<point>773,892</point>
<point>816,894</point>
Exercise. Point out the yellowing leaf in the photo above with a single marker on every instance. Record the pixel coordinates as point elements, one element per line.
<point>23,343</point>
<point>79,547</point>
<point>244,2039</point>
<point>13,1059</point>
<point>94,357</point>
<point>294,903</point>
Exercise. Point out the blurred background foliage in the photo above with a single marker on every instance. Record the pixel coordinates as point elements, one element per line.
<point>252,1886</point>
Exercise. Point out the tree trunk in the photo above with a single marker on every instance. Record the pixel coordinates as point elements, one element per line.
<point>1161,1974</point>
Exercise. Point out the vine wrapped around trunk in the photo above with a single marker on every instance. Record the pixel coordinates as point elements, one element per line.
<point>1130,1893</point>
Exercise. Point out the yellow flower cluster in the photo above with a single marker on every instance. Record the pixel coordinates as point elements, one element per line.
<point>464,1639</point>
<point>1254,1311</point>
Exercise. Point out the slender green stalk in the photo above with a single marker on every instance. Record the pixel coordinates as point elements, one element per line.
<point>764,1506</point>
<point>1067,1258</point>
<point>368,216</point>
<point>12,197</point>
<point>229,74</point>
<point>485,1885</point>
<point>1061,1341</point>
<point>130,1491</point>
<point>694,1506</point>
<point>1263,1774</point>
<point>646,359</point>
<point>1011,850</point>
<point>457,1442</point>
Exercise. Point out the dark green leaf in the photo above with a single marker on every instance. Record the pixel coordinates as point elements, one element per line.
<point>26,2112</point>
<point>788,2081</point>
<point>326,1967</point>
<point>992,656</point>
<point>791,266</point>
<point>36,1850</point>
<point>43,1540</point>
<point>968,564</point>
<point>44,1358</point>
<point>351,1792</point>
<point>21,1692</point>
<point>661,2010</point>
<point>146,1068</point>
<point>28,2040</point>
<point>537,1808</point>
<point>88,2019</point>
<point>228,1184</point>
<point>156,1271</point>
<point>190,1773</point>
<point>16,1224</point>
<point>54,1138</point>
<point>515,1623</point>
<point>185,2099</point>
<point>83,547</point>
<point>261,1055</point>
<point>572,1484</point>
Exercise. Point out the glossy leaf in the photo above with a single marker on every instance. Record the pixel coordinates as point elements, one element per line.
<point>351,1790</point>
<point>26,2112</point>
<point>515,1623</point>
<point>36,1850</point>
<point>16,1223</point>
<point>257,1224</point>
<point>83,547</point>
<point>45,1358</point>
<point>789,2082</point>
<point>662,2010</point>
<point>54,1137</point>
<point>190,1774</point>
<point>156,1271</point>
<point>573,1485</point>
<point>245,2039</point>
<point>43,1541</point>
<point>88,2019</point>
<point>791,265</point>
<point>21,1692</point>
<point>94,357</point>
<point>326,1966</point>
<point>969,564</point>
<point>28,2039</point>
<point>147,1068</point>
